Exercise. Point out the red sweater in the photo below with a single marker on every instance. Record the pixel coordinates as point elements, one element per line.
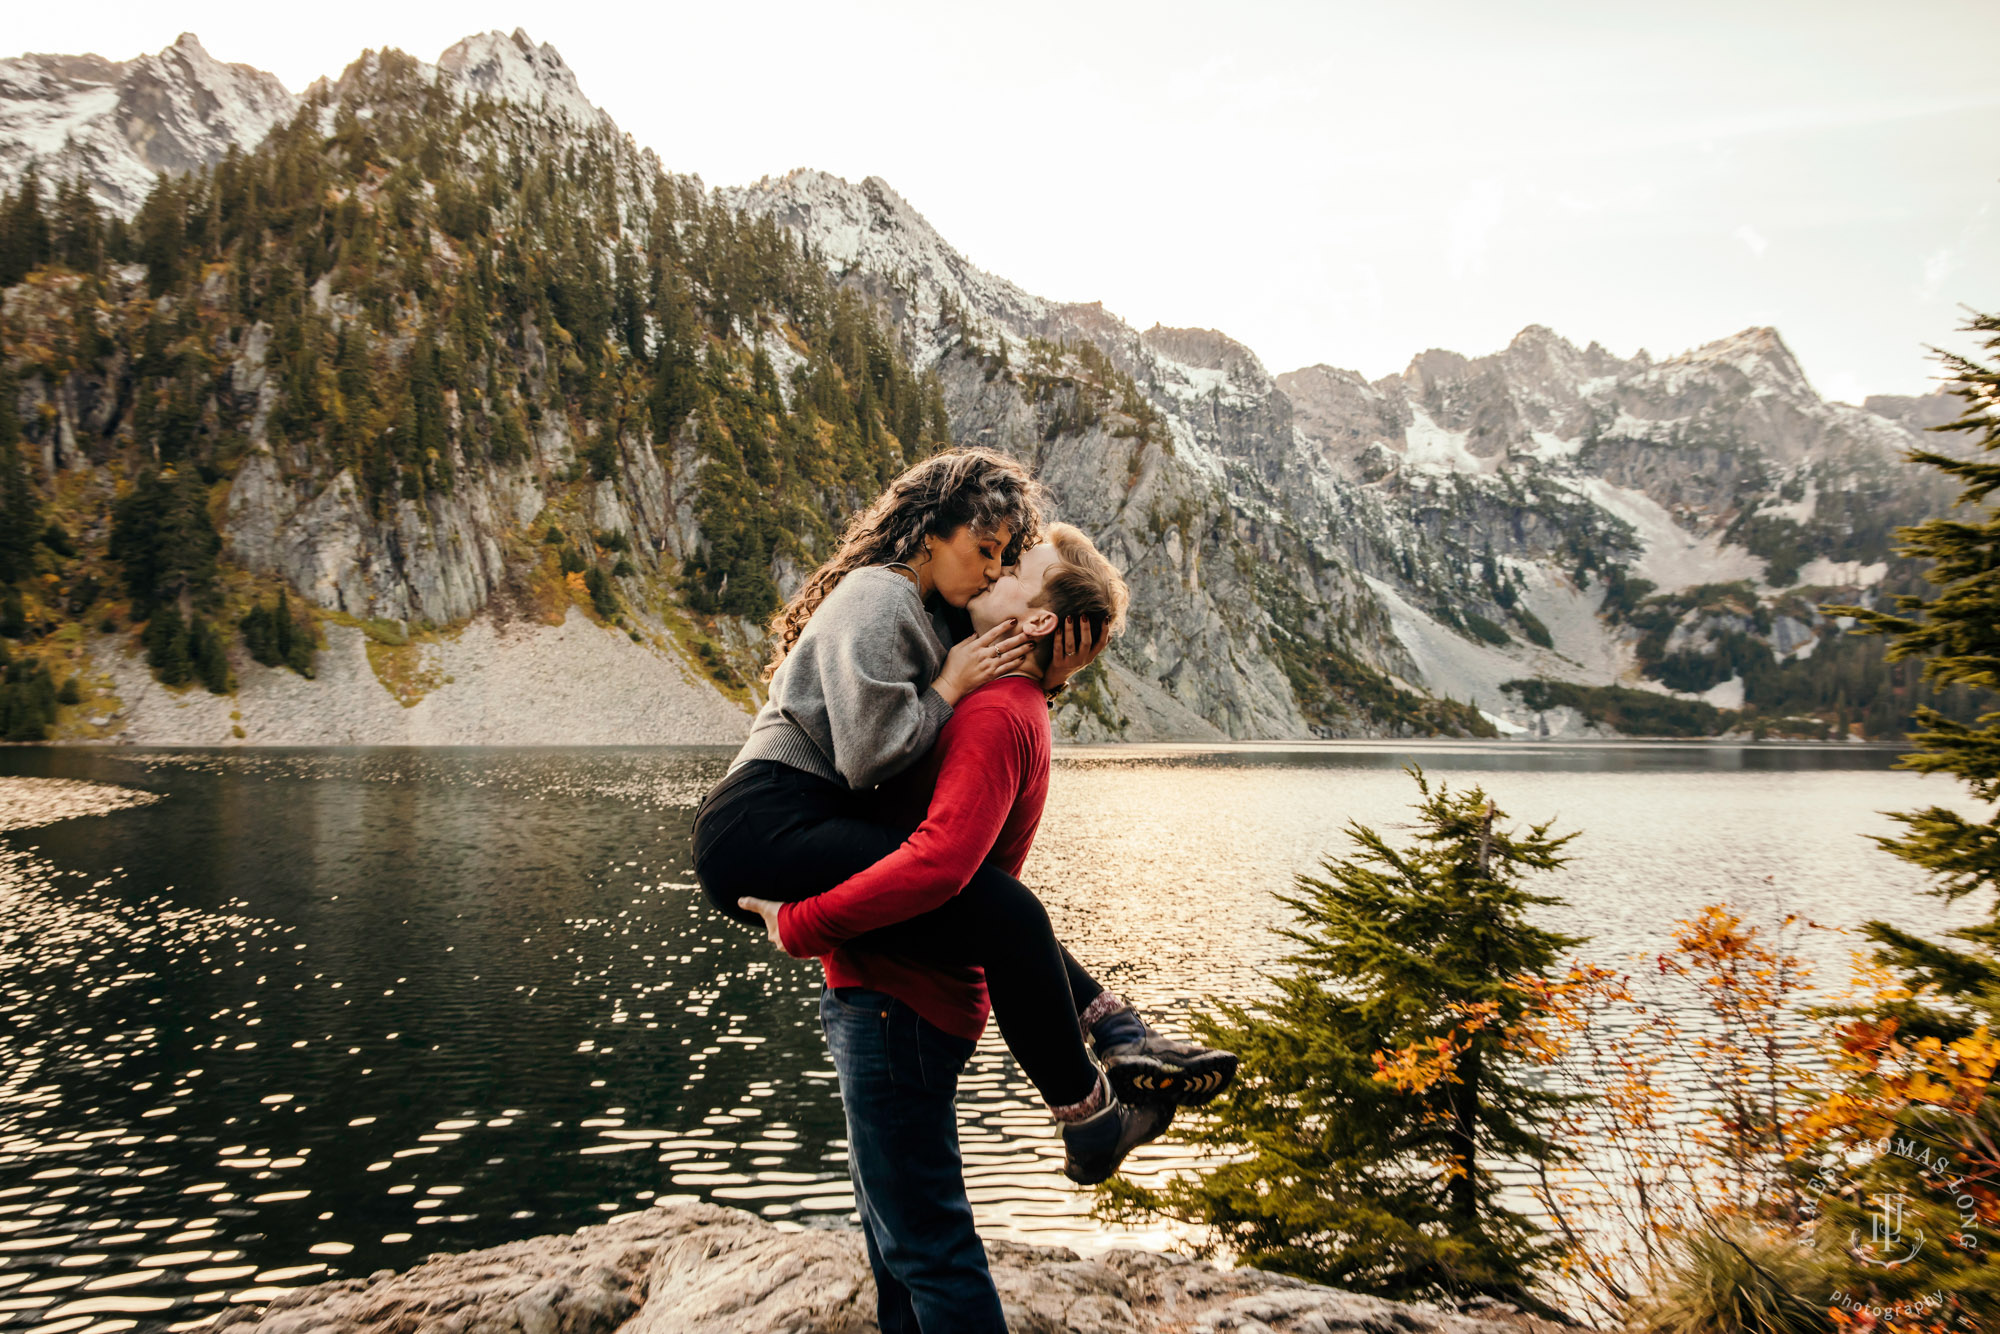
<point>990,776</point>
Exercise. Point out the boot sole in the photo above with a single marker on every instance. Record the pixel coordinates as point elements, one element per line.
<point>1148,1079</point>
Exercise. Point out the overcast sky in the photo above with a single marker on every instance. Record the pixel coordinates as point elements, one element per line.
<point>1340,183</point>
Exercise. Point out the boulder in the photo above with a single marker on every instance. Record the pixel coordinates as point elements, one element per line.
<point>693,1268</point>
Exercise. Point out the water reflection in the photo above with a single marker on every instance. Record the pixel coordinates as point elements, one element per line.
<point>313,1013</point>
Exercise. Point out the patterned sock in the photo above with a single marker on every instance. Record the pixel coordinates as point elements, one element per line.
<point>1107,1002</point>
<point>1083,1111</point>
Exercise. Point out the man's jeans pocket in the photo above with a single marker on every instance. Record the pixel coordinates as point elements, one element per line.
<point>911,1050</point>
<point>922,1055</point>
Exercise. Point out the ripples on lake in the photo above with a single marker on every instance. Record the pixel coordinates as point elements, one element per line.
<point>270,1017</point>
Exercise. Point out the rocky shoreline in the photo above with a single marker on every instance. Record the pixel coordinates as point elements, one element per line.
<point>691,1268</point>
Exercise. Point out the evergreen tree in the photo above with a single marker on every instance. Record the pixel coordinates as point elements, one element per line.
<point>510,439</point>
<point>209,654</point>
<point>278,639</point>
<point>24,229</point>
<point>78,238</point>
<point>19,508</point>
<point>600,452</point>
<point>28,699</point>
<point>1956,634</point>
<point>603,598</point>
<point>676,374</point>
<point>163,537</point>
<point>166,641</point>
<point>1341,1176</point>
<point>162,227</point>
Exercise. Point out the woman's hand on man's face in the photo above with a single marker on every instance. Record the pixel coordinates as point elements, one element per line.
<point>768,910</point>
<point>1075,648</point>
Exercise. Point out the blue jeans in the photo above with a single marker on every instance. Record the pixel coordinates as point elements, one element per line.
<point>898,1081</point>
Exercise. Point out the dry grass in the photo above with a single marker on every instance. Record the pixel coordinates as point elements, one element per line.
<point>408,671</point>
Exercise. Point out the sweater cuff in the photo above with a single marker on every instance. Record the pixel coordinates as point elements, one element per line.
<point>936,711</point>
<point>788,932</point>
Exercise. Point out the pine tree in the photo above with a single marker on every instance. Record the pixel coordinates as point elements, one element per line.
<point>163,537</point>
<point>166,641</point>
<point>603,598</point>
<point>209,654</point>
<point>28,699</point>
<point>277,639</point>
<point>24,229</point>
<point>676,379</point>
<point>1956,634</point>
<point>19,509</point>
<point>1335,1174</point>
<point>162,227</point>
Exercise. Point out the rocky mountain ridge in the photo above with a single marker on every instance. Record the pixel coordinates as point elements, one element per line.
<point>1489,505</point>
<point>119,124</point>
<point>1310,553</point>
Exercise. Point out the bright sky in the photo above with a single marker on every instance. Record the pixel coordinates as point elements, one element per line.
<point>1340,182</point>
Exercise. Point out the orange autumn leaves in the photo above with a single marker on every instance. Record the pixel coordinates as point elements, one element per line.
<point>1704,1078</point>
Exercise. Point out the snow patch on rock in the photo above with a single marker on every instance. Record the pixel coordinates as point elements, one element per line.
<point>1842,573</point>
<point>1672,557</point>
<point>120,123</point>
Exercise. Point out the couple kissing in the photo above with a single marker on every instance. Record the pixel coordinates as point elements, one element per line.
<point>877,818</point>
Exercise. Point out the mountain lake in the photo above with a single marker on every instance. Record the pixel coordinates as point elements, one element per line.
<point>312,1013</point>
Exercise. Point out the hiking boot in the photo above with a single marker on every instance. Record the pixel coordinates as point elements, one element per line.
<point>1094,1147</point>
<point>1147,1067</point>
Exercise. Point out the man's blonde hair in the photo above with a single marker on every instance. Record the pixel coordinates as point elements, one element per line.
<point>1082,583</point>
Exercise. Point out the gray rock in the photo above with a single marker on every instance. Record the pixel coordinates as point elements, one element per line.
<point>691,1268</point>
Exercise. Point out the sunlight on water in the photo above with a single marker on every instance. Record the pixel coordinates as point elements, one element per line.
<point>272,1017</point>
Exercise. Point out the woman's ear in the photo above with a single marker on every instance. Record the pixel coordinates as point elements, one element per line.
<point>1038,623</point>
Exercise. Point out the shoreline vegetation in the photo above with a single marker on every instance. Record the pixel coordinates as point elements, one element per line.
<point>1700,1126</point>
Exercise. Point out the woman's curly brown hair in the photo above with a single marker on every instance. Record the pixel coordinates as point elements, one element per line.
<point>940,495</point>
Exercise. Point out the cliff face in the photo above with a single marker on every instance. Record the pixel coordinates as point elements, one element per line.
<point>510,352</point>
<point>1171,449</point>
<point>1468,523</point>
<point>1577,474</point>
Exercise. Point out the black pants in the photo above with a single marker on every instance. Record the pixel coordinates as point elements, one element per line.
<point>770,831</point>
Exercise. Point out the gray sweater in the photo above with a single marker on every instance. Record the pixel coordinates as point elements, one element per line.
<point>852,702</point>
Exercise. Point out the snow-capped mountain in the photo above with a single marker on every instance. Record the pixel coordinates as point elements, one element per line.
<point>1311,551</point>
<point>510,67</point>
<point>869,229</point>
<point>1480,501</point>
<point>120,123</point>
<point>1720,465</point>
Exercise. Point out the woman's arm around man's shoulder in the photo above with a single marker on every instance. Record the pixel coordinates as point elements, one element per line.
<point>986,756</point>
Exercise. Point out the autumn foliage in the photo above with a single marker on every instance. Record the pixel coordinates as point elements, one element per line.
<point>1701,1140</point>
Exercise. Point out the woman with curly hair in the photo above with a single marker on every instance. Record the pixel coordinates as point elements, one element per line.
<point>865,672</point>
